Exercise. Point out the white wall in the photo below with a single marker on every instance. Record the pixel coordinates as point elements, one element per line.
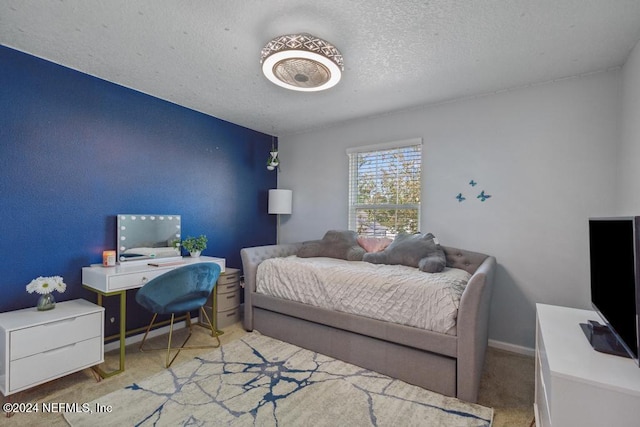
<point>629,162</point>
<point>546,154</point>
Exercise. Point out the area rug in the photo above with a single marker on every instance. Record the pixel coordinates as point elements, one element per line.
<point>260,381</point>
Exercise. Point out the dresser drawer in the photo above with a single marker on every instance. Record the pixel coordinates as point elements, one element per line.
<point>54,363</point>
<point>541,404</point>
<point>47,336</point>
<point>228,301</point>
<point>231,275</point>
<point>544,372</point>
<point>228,288</point>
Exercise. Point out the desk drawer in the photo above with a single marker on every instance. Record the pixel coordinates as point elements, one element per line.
<point>228,301</point>
<point>40,338</point>
<point>54,363</point>
<point>133,280</point>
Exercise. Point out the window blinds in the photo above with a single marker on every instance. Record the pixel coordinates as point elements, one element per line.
<point>385,187</point>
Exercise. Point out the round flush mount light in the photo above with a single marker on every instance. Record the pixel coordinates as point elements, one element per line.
<point>302,62</point>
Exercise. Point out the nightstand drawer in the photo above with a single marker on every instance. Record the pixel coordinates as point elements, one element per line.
<point>229,317</point>
<point>231,275</point>
<point>47,336</point>
<point>228,301</point>
<point>54,363</point>
<point>228,288</point>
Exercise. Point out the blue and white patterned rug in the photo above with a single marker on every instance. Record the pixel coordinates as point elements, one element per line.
<point>260,381</point>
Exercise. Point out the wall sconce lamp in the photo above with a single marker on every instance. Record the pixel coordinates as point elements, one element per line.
<point>272,161</point>
<point>280,203</point>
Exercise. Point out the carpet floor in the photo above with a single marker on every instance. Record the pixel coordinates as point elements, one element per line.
<point>507,383</point>
<point>261,381</point>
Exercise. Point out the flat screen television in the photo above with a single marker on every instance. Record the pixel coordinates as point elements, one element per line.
<point>614,247</point>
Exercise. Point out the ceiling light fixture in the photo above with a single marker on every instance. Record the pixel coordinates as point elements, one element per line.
<point>302,62</point>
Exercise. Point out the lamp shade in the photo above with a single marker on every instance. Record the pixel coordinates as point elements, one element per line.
<point>280,201</point>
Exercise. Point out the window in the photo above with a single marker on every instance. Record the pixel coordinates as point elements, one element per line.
<point>384,188</point>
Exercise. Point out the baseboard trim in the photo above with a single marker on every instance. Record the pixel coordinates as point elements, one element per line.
<point>115,345</point>
<point>525,351</point>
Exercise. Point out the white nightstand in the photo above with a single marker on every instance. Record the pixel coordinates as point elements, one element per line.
<point>39,346</point>
<point>227,293</point>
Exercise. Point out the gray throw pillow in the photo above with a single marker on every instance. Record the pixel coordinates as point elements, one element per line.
<point>334,244</point>
<point>413,250</point>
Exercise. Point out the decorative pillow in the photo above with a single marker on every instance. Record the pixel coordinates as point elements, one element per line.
<point>413,250</point>
<point>334,244</point>
<point>374,244</point>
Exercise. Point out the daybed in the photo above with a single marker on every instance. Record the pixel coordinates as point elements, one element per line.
<point>448,363</point>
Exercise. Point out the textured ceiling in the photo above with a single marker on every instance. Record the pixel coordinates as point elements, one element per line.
<point>204,54</point>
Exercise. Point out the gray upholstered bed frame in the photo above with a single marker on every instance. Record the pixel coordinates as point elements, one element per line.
<point>448,364</point>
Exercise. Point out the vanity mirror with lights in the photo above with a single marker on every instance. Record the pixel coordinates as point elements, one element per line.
<point>144,237</point>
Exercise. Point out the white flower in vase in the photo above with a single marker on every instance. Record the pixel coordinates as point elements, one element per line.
<point>45,286</point>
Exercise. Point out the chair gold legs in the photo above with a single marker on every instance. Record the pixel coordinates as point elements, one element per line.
<point>214,332</point>
<point>168,363</point>
<point>144,338</point>
<point>183,346</point>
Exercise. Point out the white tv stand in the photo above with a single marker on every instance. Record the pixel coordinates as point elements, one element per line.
<point>576,385</point>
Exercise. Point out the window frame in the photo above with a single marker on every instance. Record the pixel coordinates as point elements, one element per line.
<point>353,206</point>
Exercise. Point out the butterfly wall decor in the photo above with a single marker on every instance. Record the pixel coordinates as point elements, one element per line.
<point>483,196</point>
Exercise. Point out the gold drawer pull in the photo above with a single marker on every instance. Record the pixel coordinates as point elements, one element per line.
<point>231,296</point>
<point>231,314</point>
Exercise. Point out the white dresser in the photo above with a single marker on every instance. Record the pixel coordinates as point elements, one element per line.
<point>576,385</point>
<point>39,346</point>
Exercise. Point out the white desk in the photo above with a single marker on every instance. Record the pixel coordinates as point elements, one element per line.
<point>112,281</point>
<point>576,385</point>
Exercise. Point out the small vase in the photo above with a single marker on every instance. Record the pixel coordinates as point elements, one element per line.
<point>46,302</point>
<point>195,254</point>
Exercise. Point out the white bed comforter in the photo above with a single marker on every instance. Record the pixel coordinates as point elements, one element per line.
<point>393,293</point>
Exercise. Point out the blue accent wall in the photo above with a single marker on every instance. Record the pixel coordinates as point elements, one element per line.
<point>75,151</point>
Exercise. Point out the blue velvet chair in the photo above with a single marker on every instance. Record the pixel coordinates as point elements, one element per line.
<point>180,291</point>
